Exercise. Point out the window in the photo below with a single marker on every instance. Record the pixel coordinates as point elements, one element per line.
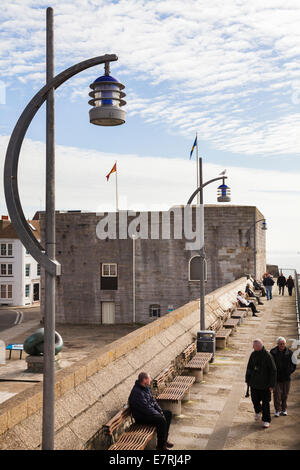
<point>27,290</point>
<point>27,270</point>
<point>109,276</point>
<point>154,310</point>
<point>6,249</point>
<point>38,269</point>
<point>109,270</point>
<point>194,269</point>
<point>6,269</point>
<point>6,291</point>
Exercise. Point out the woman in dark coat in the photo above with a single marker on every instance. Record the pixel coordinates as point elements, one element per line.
<point>290,285</point>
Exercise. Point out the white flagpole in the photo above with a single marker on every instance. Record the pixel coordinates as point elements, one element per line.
<point>117,202</point>
<point>197,158</point>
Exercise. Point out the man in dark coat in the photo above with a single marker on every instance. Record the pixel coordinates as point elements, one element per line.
<point>290,285</point>
<point>268,282</point>
<point>261,377</point>
<point>146,410</point>
<point>281,282</point>
<point>285,367</point>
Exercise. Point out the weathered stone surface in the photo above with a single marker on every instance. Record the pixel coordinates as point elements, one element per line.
<point>162,266</point>
<point>151,348</point>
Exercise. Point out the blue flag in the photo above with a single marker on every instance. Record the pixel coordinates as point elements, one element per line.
<point>195,143</point>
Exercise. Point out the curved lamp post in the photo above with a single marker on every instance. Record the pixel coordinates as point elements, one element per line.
<point>263,227</point>
<point>107,101</point>
<point>223,196</point>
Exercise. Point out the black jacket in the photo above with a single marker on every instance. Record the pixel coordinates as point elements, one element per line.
<point>142,403</point>
<point>283,361</point>
<point>268,281</point>
<point>281,281</point>
<point>261,370</point>
<point>290,283</point>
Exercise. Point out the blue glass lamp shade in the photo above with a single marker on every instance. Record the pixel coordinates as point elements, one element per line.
<point>223,193</point>
<point>107,101</point>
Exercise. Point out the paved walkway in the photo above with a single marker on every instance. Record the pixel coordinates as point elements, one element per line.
<point>218,416</point>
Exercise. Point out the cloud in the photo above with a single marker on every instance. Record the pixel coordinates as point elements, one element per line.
<point>153,183</point>
<point>227,69</point>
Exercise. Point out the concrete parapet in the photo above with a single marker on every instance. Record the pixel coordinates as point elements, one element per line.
<point>89,392</point>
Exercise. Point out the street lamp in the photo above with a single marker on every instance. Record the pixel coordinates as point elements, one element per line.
<point>105,112</point>
<point>263,227</point>
<point>223,196</point>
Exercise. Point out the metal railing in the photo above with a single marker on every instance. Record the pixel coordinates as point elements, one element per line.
<point>297,279</point>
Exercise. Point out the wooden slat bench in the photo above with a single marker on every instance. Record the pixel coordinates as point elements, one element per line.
<point>175,392</point>
<point>232,323</point>
<point>136,437</point>
<point>189,351</point>
<point>222,336</point>
<point>198,365</point>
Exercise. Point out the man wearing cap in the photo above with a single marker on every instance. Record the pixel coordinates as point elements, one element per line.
<point>285,367</point>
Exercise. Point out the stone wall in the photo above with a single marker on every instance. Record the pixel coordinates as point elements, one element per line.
<point>162,265</point>
<point>91,391</point>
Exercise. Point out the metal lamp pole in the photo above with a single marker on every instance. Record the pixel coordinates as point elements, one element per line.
<point>202,248</point>
<point>100,115</point>
<point>254,251</point>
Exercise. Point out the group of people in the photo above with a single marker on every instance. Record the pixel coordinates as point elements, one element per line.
<point>269,372</point>
<point>266,372</point>
<point>282,282</point>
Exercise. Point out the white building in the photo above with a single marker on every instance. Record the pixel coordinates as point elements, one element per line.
<point>19,272</point>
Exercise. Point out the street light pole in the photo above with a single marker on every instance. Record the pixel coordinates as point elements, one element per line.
<point>107,101</point>
<point>202,252</point>
<point>264,227</point>
<point>224,197</point>
<point>50,279</point>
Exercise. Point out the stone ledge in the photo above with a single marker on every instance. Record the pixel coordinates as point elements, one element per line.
<point>28,402</point>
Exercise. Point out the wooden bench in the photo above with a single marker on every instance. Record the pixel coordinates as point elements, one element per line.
<point>177,389</point>
<point>135,437</point>
<point>198,365</point>
<point>222,336</point>
<point>232,323</point>
<point>189,351</point>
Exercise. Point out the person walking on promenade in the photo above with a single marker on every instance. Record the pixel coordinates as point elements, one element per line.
<point>268,283</point>
<point>245,303</point>
<point>261,378</point>
<point>281,282</point>
<point>145,410</point>
<point>290,285</point>
<point>285,367</point>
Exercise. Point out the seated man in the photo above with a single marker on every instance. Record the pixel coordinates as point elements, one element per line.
<point>245,303</point>
<point>258,286</point>
<point>145,410</point>
<point>249,290</point>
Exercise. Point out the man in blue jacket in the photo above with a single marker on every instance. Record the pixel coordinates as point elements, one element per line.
<point>146,410</point>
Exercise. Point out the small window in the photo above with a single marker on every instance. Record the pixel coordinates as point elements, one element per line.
<point>9,249</point>
<point>27,270</point>
<point>6,269</point>
<point>3,291</point>
<point>6,291</point>
<point>154,310</point>
<point>3,249</point>
<point>38,269</point>
<point>109,270</point>
<point>6,249</point>
<point>27,290</point>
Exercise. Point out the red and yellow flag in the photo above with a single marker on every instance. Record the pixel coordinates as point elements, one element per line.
<point>113,170</point>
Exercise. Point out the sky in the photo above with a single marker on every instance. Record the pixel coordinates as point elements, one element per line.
<point>229,71</point>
